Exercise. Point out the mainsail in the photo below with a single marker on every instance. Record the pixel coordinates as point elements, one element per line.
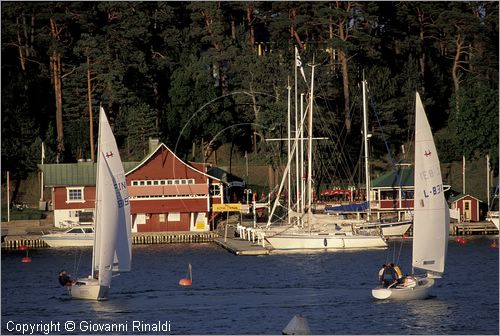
<point>430,236</point>
<point>112,246</point>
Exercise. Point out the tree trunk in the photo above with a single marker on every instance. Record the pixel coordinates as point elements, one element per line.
<point>459,42</point>
<point>55,60</point>
<point>343,36</point>
<point>345,79</point>
<point>421,18</point>
<point>21,48</point>
<point>251,29</point>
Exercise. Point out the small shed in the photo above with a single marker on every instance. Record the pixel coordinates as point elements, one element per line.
<point>467,207</point>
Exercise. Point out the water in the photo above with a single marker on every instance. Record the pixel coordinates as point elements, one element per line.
<point>252,295</point>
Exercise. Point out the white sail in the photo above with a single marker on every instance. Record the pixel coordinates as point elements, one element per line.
<point>431,215</point>
<point>112,247</point>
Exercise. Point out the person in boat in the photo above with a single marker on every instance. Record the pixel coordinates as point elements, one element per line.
<point>65,280</point>
<point>399,274</point>
<point>389,276</point>
<point>409,281</point>
<point>381,274</point>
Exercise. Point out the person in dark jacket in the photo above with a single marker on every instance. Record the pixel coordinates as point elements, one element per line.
<point>64,279</point>
<point>389,276</point>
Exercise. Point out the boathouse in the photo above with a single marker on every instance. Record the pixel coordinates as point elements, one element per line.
<point>467,207</point>
<point>166,193</point>
<point>393,191</point>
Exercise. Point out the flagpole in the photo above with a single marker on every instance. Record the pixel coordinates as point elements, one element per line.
<point>8,196</point>
<point>41,173</point>
<point>297,151</point>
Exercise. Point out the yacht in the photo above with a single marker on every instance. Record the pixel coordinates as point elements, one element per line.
<point>79,235</point>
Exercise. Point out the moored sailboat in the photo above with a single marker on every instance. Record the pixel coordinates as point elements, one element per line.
<point>305,236</point>
<point>431,217</point>
<point>112,250</point>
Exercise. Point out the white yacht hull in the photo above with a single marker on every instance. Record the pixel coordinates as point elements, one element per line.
<point>388,229</point>
<point>61,241</point>
<point>88,289</point>
<point>324,241</point>
<point>420,291</point>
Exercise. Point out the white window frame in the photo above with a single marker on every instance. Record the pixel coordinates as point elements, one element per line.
<point>69,190</point>
<point>174,217</point>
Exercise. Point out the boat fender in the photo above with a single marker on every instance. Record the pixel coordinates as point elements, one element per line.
<point>185,282</point>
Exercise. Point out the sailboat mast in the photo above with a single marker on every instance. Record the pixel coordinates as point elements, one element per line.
<point>97,196</point>
<point>289,117</point>
<point>365,138</point>
<point>309,149</point>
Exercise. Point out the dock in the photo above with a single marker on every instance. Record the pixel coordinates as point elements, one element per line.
<point>479,228</point>
<point>35,241</point>
<point>242,247</point>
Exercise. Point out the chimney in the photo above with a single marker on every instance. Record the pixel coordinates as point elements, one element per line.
<point>153,143</point>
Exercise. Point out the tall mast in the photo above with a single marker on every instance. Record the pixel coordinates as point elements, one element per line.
<point>97,196</point>
<point>289,116</point>
<point>365,138</point>
<point>309,150</point>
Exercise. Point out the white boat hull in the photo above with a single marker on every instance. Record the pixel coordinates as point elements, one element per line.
<point>61,241</point>
<point>419,292</point>
<point>388,229</point>
<point>88,289</point>
<point>324,241</point>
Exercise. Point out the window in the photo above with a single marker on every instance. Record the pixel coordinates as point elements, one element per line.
<point>162,218</point>
<point>74,194</point>
<point>215,190</point>
<point>174,217</point>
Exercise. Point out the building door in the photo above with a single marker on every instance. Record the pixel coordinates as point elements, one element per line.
<point>467,211</point>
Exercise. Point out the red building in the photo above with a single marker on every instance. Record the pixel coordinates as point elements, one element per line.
<point>467,208</point>
<point>166,194</point>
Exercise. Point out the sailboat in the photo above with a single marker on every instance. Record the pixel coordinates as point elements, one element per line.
<point>301,238</point>
<point>112,249</point>
<point>387,229</point>
<point>431,217</point>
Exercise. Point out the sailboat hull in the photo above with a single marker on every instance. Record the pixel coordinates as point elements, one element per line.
<point>88,289</point>
<point>324,241</point>
<point>418,292</point>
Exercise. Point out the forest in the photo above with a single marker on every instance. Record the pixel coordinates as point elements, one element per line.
<point>208,74</point>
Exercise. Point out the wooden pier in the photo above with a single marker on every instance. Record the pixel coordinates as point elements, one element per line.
<point>479,228</point>
<point>240,246</point>
<point>35,241</point>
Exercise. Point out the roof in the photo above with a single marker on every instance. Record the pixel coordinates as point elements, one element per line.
<point>162,146</point>
<point>74,174</point>
<point>402,177</point>
<point>458,197</point>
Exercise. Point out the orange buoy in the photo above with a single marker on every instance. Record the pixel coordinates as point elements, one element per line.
<point>23,247</point>
<point>494,245</point>
<point>26,260</point>
<point>188,281</point>
<point>461,240</point>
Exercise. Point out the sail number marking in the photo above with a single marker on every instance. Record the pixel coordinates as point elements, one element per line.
<point>434,191</point>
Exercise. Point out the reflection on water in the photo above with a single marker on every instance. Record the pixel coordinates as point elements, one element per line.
<point>258,295</point>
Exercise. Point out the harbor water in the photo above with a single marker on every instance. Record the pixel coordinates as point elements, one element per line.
<point>250,295</point>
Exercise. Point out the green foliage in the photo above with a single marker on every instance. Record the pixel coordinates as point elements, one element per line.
<point>189,71</point>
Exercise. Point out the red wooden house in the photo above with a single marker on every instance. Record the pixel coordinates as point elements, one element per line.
<point>467,207</point>
<point>166,194</point>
